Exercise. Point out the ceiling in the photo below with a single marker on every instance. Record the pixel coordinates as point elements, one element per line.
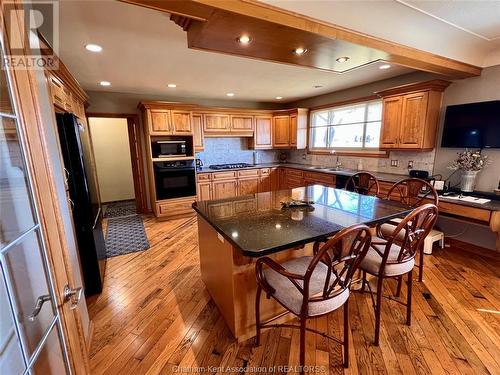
<point>464,30</point>
<point>143,51</point>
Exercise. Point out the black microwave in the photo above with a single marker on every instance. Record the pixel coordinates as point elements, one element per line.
<point>171,148</point>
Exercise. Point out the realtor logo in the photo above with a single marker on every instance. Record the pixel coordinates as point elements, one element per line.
<point>38,44</point>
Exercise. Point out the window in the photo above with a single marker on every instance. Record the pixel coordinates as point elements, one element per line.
<point>354,127</point>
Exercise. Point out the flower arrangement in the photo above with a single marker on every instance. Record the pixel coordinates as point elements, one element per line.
<point>470,161</point>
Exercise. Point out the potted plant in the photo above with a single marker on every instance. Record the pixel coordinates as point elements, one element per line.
<point>470,163</point>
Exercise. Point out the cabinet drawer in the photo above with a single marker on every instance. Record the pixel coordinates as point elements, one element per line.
<point>175,207</point>
<point>265,171</point>
<point>294,173</point>
<point>248,173</point>
<point>204,176</point>
<point>465,211</point>
<point>323,177</point>
<point>293,182</point>
<point>223,175</point>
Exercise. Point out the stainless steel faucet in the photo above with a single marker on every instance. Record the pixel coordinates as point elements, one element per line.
<point>338,164</point>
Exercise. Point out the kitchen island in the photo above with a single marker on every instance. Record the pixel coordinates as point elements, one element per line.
<point>234,232</point>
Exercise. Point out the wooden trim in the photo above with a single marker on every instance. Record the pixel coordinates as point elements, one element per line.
<point>435,85</point>
<point>396,53</point>
<point>138,171</point>
<point>367,154</point>
<point>345,102</point>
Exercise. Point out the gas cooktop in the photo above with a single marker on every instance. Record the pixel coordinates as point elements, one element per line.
<point>229,166</point>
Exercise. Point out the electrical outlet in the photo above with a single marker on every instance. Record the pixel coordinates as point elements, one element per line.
<point>394,163</point>
<point>410,164</point>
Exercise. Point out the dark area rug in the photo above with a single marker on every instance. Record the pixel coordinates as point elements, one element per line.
<point>125,235</point>
<point>117,209</point>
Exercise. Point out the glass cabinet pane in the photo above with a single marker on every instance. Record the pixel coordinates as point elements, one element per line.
<point>29,283</point>
<point>51,358</point>
<point>11,358</point>
<point>16,213</point>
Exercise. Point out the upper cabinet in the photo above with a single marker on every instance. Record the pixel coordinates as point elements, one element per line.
<point>216,123</point>
<point>410,115</point>
<point>262,139</point>
<point>198,141</point>
<point>290,128</point>
<point>181,122</point>
<point>159,120</point>
<point>168,122</point>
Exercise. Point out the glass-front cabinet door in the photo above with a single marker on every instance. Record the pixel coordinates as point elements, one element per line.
<point>31,341</point>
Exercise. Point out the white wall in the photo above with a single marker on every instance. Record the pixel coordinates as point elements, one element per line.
<point>112,156</point>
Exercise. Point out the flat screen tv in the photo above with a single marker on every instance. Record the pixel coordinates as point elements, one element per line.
<point>474,125</point>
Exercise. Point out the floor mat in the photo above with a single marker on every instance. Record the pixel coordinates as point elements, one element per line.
<point>117,209</point>
<point>125,235</point>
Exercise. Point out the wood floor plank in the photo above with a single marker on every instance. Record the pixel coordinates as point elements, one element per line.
<point>155,316</point>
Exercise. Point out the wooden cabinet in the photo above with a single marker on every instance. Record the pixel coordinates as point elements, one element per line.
<point>159,121</point>
<point>181,122</point>
<point>248,186</point>
<point>315,178</point>
<point>281,131</point>
<point>391,120</point>
<point>224,189</point>
<point>174,208</point>
<point>293,130</point>
<point>198,139</point>
<point>413,115</point>
<point>204,191</point>
<point>290,129</point>
<point>262,139</point>
<point>217,123</point>
<point>410,115</point>
<point>242,123</point>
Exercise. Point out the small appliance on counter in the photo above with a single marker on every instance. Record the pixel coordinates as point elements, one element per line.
<point>199,163</point>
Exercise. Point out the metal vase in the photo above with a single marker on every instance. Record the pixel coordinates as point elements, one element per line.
<point>468,181</point>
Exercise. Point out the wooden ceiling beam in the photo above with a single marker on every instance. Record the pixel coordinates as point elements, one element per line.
<point>203,10</point>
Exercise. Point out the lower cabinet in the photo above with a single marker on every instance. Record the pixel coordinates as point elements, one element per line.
<point>248,186</point>
<point>224,189</point>
<point>172,208</point>
<point>204,191</point>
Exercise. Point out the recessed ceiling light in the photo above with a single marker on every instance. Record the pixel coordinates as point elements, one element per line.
<point>105,83</point>
<point>279,97</point>
<point>385,66</point>
<point>93,48</point>
<point>343,59</point>
<point>244,39</point>
<point>172,85</point>
<point>299,51</point>
<point>230,94</point>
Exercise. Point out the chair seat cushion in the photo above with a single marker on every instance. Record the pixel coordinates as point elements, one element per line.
<point>372,261</point>
<point>290,297</point>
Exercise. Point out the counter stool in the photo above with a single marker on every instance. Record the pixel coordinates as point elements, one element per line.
<point>312,286</point>
<point>433,236</point>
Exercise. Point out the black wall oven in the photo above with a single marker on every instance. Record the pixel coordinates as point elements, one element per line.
<point>174,179</point>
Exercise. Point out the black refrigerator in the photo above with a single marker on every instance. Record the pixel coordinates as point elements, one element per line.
<point>82,189</point>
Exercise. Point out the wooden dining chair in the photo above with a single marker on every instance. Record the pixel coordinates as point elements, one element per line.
<point>313,286</point>
<point>363,183</point>
<point>412,192</point>
<point>391,258</point>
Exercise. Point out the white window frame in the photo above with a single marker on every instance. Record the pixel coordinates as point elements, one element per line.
<point>360,150</point>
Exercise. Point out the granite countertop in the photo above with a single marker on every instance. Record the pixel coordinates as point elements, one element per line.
<point>492,205</point>
<point>388,177</point>
<point>256,224</point>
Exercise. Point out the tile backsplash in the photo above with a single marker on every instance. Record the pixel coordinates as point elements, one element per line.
<point>421,160</point>
<point>233,150</point>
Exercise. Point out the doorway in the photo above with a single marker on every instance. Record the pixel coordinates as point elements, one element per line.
<point>118,158</point>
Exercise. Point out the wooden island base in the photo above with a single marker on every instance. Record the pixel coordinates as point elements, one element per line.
<point>230,280</point>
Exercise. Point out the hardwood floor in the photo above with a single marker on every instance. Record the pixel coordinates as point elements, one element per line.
<point>155,317</point>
